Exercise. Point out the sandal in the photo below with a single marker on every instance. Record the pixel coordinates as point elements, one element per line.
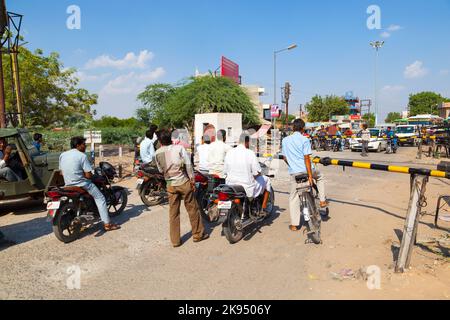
<point>294,228</point>
<point>111,227</point>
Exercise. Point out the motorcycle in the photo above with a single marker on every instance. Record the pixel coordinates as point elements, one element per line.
<point>237,212</point>
<point>336,144</point>
<point>391,145</point>
<point>205,185</point>
<point>151,186</point>
<point>72,209</point>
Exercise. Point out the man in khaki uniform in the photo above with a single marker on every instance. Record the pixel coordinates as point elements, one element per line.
<point>173,161</point>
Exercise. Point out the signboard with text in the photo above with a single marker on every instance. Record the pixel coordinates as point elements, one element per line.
<point>275,111</point>
<point>93,137</point>
<point>229,69</point>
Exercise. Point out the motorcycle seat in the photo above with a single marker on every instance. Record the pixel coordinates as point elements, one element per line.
<point>74,189</point>
<point>302,178</point>
<point>238,189</point>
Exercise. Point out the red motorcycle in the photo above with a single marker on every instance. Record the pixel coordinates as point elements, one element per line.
<point>205,196</point>
<point>73,209</point>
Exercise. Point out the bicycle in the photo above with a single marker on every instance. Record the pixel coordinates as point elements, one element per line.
<point>309,207</point>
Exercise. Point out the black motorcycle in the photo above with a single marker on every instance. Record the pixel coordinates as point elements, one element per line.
<point>73,209</point>
<point>151,185</point>
<point>237,212</point>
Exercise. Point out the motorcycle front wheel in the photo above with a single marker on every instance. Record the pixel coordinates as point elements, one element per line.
<point>117,202</point>
<point>65,226</point>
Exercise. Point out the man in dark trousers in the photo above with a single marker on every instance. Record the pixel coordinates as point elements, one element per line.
<point>173,161</point>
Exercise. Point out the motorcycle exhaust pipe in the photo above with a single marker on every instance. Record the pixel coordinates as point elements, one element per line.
<point>266,199</point>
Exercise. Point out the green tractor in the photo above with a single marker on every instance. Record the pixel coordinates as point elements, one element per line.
<point>41,169</point>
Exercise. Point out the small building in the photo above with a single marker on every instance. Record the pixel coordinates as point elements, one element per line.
<point>230,122</point>
<point>444,110</point>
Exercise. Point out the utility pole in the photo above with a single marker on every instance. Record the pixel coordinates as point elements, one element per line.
<point>15,67</point>
<point>377,45</point>
<point>287,94</point>
<point>3,25</point>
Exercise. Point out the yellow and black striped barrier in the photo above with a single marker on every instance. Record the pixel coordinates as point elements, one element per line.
<point>382,167</point>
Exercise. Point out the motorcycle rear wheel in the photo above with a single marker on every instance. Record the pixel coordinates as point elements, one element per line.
<point>230,229</point>
<point>151,197</point>
<point>65,228</point>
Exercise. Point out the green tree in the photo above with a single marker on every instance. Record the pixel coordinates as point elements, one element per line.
<point>392,116</point>
<point>370,119</point>
<point>153,99</point>
<point>50,94</point>
<point>425,103</point>
<point>113,122</point>
<point>207,95</point>
<point>321,108</point>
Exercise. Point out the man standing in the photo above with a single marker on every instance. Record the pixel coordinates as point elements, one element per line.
<point>297,155</point>
<point>77,172</point>
<point>365,139</point>
<point>5,154</point>
<point>242,168</point>
<point>173,161</point>
<point>217,152</point>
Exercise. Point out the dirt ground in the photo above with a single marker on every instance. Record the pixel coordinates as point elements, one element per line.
<point>366,221</point>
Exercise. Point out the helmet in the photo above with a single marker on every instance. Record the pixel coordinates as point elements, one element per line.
<point>108,170</point>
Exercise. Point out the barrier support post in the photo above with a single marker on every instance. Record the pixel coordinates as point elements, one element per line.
<point>418,187</point>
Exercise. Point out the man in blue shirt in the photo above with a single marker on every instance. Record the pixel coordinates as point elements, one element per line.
<point>147,148</point>
<point>37,137</point>
<point>77,172</point>
<point>297,154</point>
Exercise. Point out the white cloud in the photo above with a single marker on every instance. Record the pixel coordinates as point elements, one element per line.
<point>393,28</point>
<point>392,89</point>
<point>131,83</point>
<point>130,61</point>
<point>415,70</point>
<point>85,77</point>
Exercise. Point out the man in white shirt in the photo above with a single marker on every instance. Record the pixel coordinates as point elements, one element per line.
<point>242,168</point>
<point>217,152</point>
<point>147,148</point>
<point>203,153</point>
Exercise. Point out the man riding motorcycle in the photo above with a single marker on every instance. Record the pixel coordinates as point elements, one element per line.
<point>77,172</point>
<point>242,168</point>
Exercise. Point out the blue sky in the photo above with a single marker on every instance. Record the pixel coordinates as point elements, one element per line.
<point>125,45</point>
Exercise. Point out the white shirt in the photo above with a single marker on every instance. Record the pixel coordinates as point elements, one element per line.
<point>203,151</point>
<point>241,167</point>
<point>216,158</point>
<point>147,150</point>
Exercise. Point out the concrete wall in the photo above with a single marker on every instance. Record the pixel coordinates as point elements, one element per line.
<point>230,122</point>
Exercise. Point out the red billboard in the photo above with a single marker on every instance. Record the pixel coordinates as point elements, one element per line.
<point>230,70</point>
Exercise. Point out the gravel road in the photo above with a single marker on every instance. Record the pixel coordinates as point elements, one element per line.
<point>137,262</point>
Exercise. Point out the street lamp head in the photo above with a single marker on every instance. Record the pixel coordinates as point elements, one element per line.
<point>377,44</point>
<point>292,47</point>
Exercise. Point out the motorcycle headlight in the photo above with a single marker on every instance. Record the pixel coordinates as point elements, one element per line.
<point>64,198</point>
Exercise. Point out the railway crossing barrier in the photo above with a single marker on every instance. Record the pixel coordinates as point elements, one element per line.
<point>417,200</point>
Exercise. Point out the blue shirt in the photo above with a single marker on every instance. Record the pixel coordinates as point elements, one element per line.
<point>73,165</point>
<point>37,145</point>
<point>295,148</point>
<point>147,150</point>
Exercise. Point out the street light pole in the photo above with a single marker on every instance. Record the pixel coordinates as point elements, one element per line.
<point>377,45</point>
<point>291,47</point>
